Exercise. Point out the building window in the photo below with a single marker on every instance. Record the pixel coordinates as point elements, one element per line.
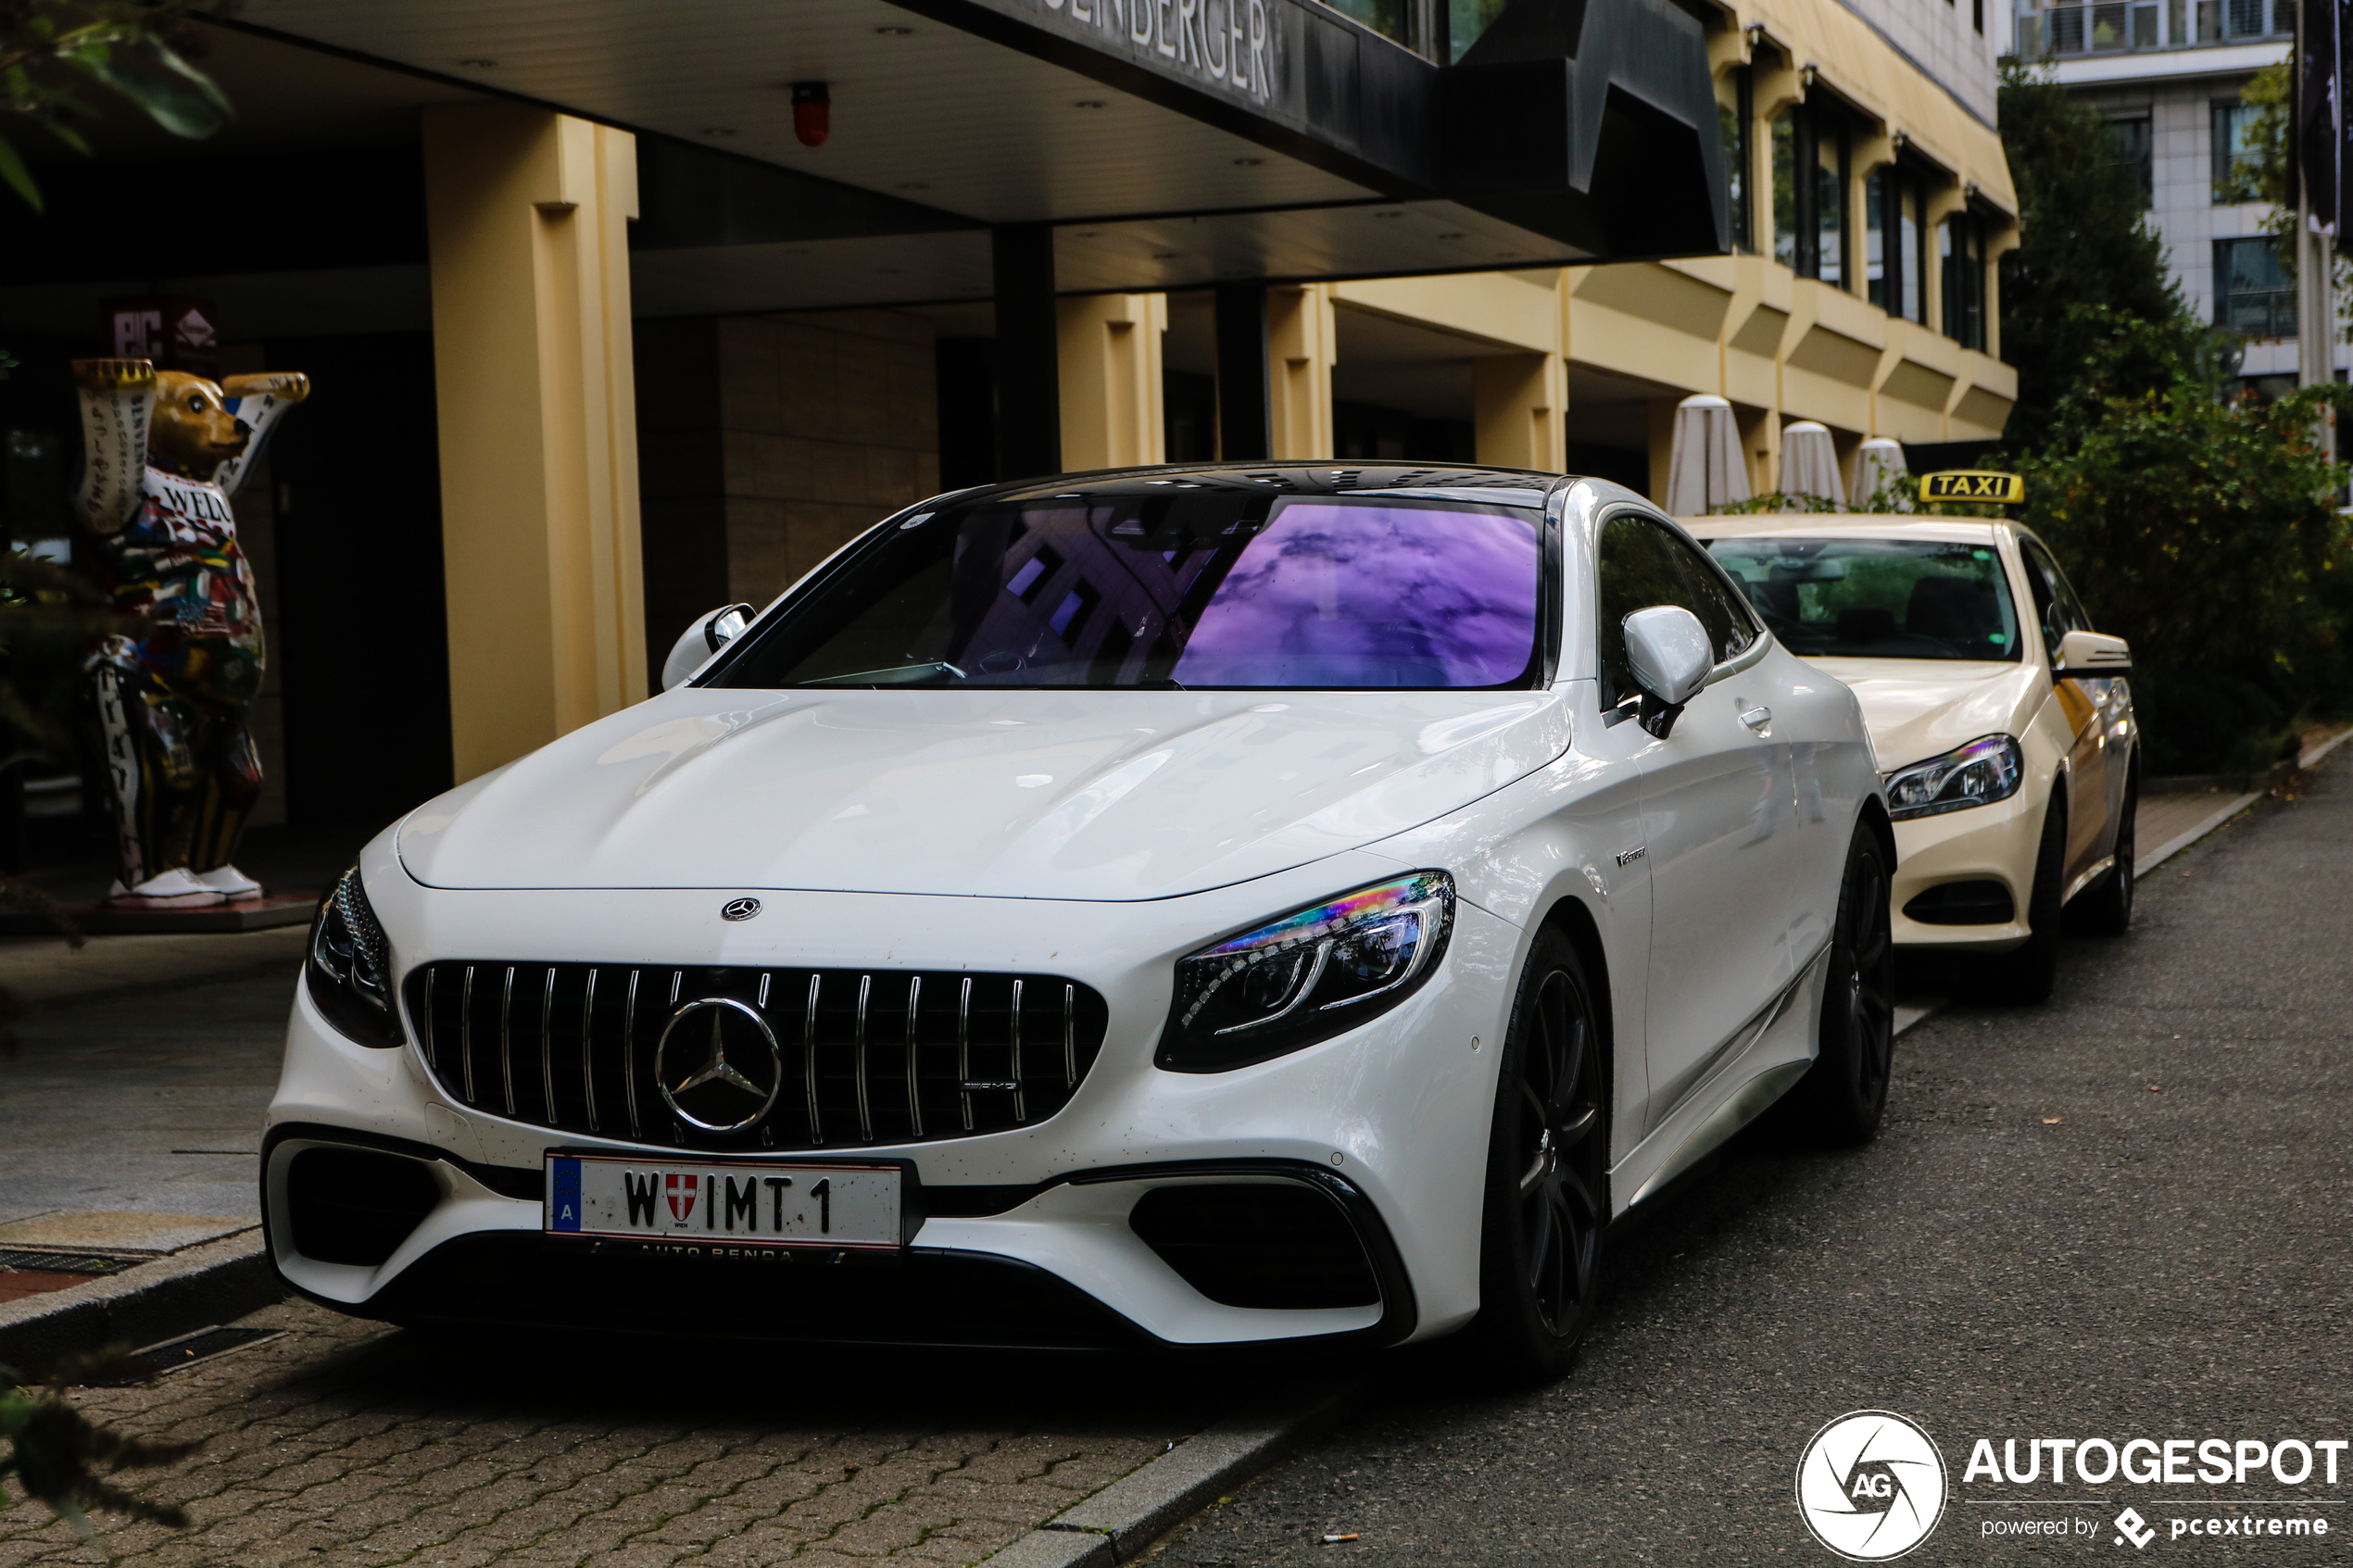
<point>1811,218</point>
<point>1961,245</point>
<point>1739,157</point>
<point>2133,149</point>
<point>2236,155</point>
<point>2252,295</point>
<point>1831,186</point>
<point>1877,249</point>
<point>1977,14</point>
<point>1785,189</point>
<point>1912,230</point>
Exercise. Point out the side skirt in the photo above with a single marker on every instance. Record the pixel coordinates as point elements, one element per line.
<point>1779,1046</point>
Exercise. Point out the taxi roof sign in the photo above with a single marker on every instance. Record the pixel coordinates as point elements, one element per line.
<point>1973,485</point>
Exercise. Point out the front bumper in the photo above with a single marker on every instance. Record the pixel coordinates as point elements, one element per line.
<point>1389,1122</point>
<point>1985,844</point>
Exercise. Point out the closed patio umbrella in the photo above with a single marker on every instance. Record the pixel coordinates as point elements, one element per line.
<point>1879,462</point>
<point>1809,463</point>
<point>1704,468</point>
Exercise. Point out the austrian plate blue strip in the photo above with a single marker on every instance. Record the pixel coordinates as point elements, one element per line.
<point>563,1195</point>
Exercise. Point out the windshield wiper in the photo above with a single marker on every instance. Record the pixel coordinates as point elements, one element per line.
<point>897,675</point>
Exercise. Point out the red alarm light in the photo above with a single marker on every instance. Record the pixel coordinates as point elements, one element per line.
<point>813,113</point>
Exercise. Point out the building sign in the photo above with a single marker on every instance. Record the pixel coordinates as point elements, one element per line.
<point>175,334</point>
<point>1229,43</point>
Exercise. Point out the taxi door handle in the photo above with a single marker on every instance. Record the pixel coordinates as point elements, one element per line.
<point>1758,718</point>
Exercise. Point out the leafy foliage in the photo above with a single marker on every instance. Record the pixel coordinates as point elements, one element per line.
<point>56,1453</point>
<point>2205,532</point>
<point>57,56</point>
<point>2084,235</point>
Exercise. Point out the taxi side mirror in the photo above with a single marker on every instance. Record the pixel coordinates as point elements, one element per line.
<point>2092,656</point>
<point>698,642</point>
<point>1667,651</point>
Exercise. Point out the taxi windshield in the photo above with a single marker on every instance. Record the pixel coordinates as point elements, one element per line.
<point>1189,590</point>
<point>1878,598</point>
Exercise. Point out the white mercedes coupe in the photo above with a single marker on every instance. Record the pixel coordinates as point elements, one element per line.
<point>1178,906</point>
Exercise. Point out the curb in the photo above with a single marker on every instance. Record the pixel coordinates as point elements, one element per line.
<point>1118,1523</point>
<point>2258,785</point>
<point>146,1304</point>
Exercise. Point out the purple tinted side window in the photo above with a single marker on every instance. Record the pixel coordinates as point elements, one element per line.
<point>1359,595</point>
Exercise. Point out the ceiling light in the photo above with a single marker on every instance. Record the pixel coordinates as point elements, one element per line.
<point>1388,215</point>
<point>1453,234</point>
<point>1087,104</point>
<point>1084,233</point>
<point>893,31</point>
<point>1248,162</point>
<point>718,131</point>
<point>479,64</point>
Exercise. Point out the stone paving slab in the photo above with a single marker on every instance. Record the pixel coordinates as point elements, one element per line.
<point>354,1445</point>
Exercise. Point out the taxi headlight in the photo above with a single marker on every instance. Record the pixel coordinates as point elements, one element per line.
<point>1303,978</point>
<point>349,969</point>
<point>1986,769</point>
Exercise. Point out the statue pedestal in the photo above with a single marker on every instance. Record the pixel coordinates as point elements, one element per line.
<point>269,910</point>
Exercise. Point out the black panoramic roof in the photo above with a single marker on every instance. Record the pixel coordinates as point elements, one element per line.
<point>1304,479</point>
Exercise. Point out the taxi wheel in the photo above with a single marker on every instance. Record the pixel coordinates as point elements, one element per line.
<point>1547,1200</point>
<point>1842,1096</point>
<point>2105,908</point>
<point>2027,975</point>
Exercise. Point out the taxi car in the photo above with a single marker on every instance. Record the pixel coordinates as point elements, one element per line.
<point>2003,721</point>
<point>1183,906</point>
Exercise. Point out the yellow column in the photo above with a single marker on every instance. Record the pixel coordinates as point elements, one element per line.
<point>1109,349</point>
<point>1519,403</point>
<point>1301,346</point>
<point>526,217</point>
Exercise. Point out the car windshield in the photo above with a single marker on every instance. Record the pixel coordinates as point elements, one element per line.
<point>1878,598</point>
<point>1192,588</point>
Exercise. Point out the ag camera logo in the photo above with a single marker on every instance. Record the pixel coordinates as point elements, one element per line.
<point>1871,1486</point>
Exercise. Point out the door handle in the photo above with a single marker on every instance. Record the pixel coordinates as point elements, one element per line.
<point>1758,718</point>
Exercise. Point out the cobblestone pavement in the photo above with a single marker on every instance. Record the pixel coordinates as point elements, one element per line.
<point>352,1445</point>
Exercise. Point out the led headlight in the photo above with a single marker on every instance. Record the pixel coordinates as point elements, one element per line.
<point>1307,976</point>
<point>350,970</point>
<point>1986,769</point>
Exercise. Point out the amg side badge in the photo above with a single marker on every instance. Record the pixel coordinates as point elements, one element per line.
<point>1627,857</point>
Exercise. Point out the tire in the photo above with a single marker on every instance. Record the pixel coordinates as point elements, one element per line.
<point>2025,976</point>
<point>1842,1097</point>
<point>1547,1189</point>
<point>2105,908</point>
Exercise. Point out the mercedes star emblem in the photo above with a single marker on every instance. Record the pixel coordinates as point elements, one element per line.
<point>719,1087</point>
<point>739,908</point>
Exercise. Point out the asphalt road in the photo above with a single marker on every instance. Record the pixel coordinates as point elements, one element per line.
<point>2123,1214</point>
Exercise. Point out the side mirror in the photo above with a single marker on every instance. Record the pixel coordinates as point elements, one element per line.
<point>698,642</point>
<point>2092,656</point>
<point>1670,656</point>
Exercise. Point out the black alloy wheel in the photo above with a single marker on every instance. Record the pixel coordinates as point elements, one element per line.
<point>2105,908</point>
<point>1548,1183</point>
<point>1842,1097</point>
<point>2027,973</point>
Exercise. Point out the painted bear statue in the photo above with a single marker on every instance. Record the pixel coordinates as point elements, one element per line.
<point>163,453</point>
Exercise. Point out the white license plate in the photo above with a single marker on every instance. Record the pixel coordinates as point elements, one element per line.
<point>801,1204</point>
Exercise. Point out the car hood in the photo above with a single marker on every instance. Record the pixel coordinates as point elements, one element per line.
<point>1094,794</point>
<point>1916,708</point>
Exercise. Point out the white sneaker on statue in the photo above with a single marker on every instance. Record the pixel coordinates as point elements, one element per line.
<point>174,889</point>
<point>229,881</point>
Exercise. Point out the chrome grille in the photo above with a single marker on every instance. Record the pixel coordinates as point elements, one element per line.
<point>870,1056</point>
